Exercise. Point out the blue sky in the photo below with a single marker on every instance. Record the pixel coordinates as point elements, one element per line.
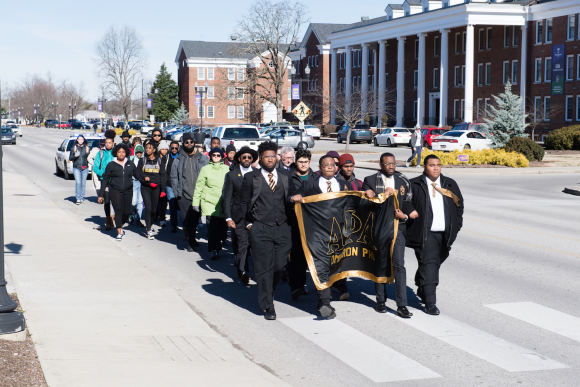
<point>59,36</point>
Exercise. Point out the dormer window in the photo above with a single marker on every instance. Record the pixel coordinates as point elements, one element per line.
<point>406,13</point>
<point>426,8</point>
<point>445,4</point>
<point>389,17</point>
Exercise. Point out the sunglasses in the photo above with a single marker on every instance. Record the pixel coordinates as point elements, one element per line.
<point>188,142</point>
<point>156,135</point>
<point>216,155</point>
<point>174,148</point>
<point>246,157</point>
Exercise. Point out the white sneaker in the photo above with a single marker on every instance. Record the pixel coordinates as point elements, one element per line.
<point>119,237</point>
<point>78,202</point>
<point>150,235</point>
<point>407,164</point>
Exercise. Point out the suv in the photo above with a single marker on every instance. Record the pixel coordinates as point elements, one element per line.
<point>64,167</point>
<point>427,135</point>
<point>51,124</point>
<point>479,127</point>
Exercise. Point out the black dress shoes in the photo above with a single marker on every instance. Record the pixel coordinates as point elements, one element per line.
<point>403,312</point>
<point>270,314</point>
<point>327,311</point>
<point>297,293</point>
<point>381,307</point>
<point>245,278</point>
<point>432,309</point>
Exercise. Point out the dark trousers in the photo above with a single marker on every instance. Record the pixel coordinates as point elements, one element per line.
<point>270,249</point>
<point>430,258</point>
<point>107,201</point>
<point>122,205</point>
<point>297,264</point>
<point>162,208</point>
<point>190,219</point>
<point>399,271</point>
<point>150,198</point>
<point>241,242</point>
<point>215,230</point>
<point>416,152</point>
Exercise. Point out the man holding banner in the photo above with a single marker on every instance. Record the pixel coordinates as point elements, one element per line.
<point>438,201</point>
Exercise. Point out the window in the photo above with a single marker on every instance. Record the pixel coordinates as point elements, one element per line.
<point>464,35</point>
<point>210,75</point>
<point>341,86</point>
<point>462,110</point>
<point>386,81</point>
<point>578,67</point>
<point>386,53</point>
<point>578,108</point>
<point>481,45</point>
<point>436,49</point>
<point>486,106</point>
<point>457,81</point>
<point>240,74</point>
<point>231,112</point>
<point>507,36</point>
<point>548,30</point>
<point>340,61</point>
<point>231,74</point>
<point>309,61</point>
<point>479,112</point>
<point>538,77</point>
<point>480,74</point>
<point>210,113</point>
<point>231,93</point>
<point>445,3</point>
<point>201,73</point>
<point>548,70</point>
<point>289,93</point>
<point>370,57</point>
<point>416,48</point>
<point>489,38</point>
<point>570,67</point>
<point>506,71</point>
<point>488,74</point>
<point>539,31</point>
<point>353,85</point>
<point>415,78</point>
<point>200,111</point>
<point>240,92</point>
<point>537,108</point>
<point>316,84</point>
<point>436,78</point>
<point>240,112</point>
<point>308,85</point>
<point>316,60</point>
<point>547,108</point>
<point>456,108</point>
<point>210,93</point>
<point>515,72</point>
<point>569,107</point>
<point>516,37</point>
<point>415,109</point>
<point>463,75</point>
<point>571,26</point>
<point>457,42</point>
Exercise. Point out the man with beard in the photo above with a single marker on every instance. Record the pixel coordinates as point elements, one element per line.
<point>326,183</point>
<point>184,173</point>
<point>265,195</point>
<point>385,182</point>
<point>126,139</point>
<point>232,207</point>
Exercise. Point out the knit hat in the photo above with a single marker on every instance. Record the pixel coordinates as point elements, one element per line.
<point>345,159</point>
<point>187,136</point>
<point>333,154</point>
<point>230,148</point>
<point>125,134</point>
<point>163,145</point>
<point>139,149</point>
<point>216,150</point>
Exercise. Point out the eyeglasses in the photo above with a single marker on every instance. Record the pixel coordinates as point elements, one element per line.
<point>188,142</point>
<point>156,135</point>
<point>288,158</point>
<point>246,157</point>
<point>389,164</point>
<point>216,155</point>
<point>174,148</point>
<point>303,162</point>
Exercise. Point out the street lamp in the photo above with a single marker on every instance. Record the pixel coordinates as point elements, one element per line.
<point>36,107</point>
<point>299,80</point>
<point>201,91</point>
<point>72,112</point>
<point>103,102</point>
<point>54,106</point>
<point>152,97</point>
<point>19,115</point>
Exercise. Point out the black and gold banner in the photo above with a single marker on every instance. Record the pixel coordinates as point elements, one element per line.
<point>346,234</point>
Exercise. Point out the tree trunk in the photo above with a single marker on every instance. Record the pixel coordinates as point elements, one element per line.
<point>348,138</point>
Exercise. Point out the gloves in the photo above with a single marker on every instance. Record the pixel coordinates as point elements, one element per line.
<point>196,208</point>
<point>153,185</point>
<point>162,195</point>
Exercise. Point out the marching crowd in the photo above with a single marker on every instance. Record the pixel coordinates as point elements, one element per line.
<point>252,194</point>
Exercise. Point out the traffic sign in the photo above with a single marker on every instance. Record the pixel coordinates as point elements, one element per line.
<point>115,120</point>
<point>301,111</point>
<point>152,118</point>
<point>102,115</point>
<point>301,125</point>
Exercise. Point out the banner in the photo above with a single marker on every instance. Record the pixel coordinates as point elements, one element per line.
<point>149,103</point>
<point>346,234</point>
<point>296,91</point>
<point>558,68</point>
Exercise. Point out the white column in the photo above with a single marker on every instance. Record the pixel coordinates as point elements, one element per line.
<point>333,83</point>
<point>365,79</point>
<point>523,64</point>
<point>469,63</point>
<point>376,77</point>
<point>444,75</point>
<point>348,80</point>
<point>421,80</point>
<point>381,78</point>
<point>400,80</point>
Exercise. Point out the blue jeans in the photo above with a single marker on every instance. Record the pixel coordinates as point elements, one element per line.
<point>172,206</point>
<point>137,203</point>
<point>80,183</point>
<point>416,152</point>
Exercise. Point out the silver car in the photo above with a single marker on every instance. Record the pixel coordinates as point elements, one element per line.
<point>291,137</point>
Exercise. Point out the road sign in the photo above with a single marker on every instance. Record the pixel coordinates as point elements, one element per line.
<point>115,120</point>
<point>152,118</point>
<point>301,111</point>
<point>301,125</point>
<point>102,115</point>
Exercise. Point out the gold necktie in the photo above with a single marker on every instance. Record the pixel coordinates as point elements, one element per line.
<point>329,183</point>
<point>434,189</point>
<point>272,182</point>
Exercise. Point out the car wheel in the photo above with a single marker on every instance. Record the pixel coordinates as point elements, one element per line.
<point>466,146</point>
<point>389,144</point>
<point>58,171</point>
<point>426,145</point>
<point>65,173</point>
<point>338,140</point>
<point>376,143</point>
<point>303,145</point>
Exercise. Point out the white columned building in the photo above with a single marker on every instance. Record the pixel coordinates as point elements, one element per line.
<point>364,86</point>
<point>382,86</point>
<point>333,84</point>
<point>348,77</point>
<point>469,64</point>
<point>400,80</point>
<point>523,72</point>
<point>444,75</point>
<point>421,80</point>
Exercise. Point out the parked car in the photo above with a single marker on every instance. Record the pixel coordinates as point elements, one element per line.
<point>291,137</point>
<point>427,135</point>
<point>460,140</point>
<point>80,125</point>
<point>236,135</point>
<point>178,134</point>
<point>310,130</point>
<point>393,137</point>
<point>356,135</point>
<point>480,127</point>
<point>64,167</point>
<point>51,124</point>
<point>8,136</point>
<point>16,129</point>
<point>63,125</point>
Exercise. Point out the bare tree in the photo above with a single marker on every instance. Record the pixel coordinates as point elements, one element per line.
<point>266,34</point>
<point>121,61</point>
<point>539,115</point>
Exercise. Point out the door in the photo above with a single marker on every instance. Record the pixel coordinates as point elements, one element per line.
<point>482,142</point>
<point>437,115</point>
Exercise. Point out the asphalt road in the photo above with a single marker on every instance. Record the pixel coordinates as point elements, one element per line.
<point>508,293</point>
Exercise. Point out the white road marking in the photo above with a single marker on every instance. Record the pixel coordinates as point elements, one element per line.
<point>22,144</point>
<point>502,353</point>
<point>549,319</point>
<point>374,360</point>
<point>38,144</point>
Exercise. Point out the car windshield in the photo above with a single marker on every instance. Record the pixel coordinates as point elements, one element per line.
<point>401,130</point>
<point>437,132</point>
<point>454,134</point>
<point>233,133</point>
<point>6,130</point>
<point>91,141</point>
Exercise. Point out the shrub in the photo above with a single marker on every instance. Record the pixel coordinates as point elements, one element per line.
<point>479,157</point>
<point>525,146</point>
<point>120,131</point>
<point>567,138</point>
<point>329,129</point>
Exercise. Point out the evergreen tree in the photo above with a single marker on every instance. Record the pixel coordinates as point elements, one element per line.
<point>507,119</point>
<point>180,115</point>
<point>165,103</point>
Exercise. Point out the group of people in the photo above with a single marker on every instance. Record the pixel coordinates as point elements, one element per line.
<point>253,194</point>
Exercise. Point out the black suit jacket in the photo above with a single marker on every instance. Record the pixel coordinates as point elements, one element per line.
<point>405,206</point>
<point>254,182</point>
<point>311,187</point>
<point>232,195</point>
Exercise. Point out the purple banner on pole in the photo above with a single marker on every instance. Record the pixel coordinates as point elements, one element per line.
<point>100,106</point>
<point>558,67</point>
<point>34,111</point>
<point>296,91</point>
<point>149,103</point>
<point>197,100</point>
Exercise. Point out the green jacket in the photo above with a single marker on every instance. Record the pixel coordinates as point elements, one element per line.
<point>101,163</point>
<point>208,189</point>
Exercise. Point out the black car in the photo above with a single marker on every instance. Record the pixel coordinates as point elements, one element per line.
<point>51,123</point>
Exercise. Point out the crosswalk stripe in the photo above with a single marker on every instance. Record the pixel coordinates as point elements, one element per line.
<point>38,144</point>
<point>497,351</point>
<point>549,319</point>
<point>22,144</point>
<point>371,358</point>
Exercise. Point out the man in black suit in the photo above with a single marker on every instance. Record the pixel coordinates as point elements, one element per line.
<point>326,183</point>
<point>232,207</point>
<point>385,182</point>
<point>439,202</point>
<point>265,201</point>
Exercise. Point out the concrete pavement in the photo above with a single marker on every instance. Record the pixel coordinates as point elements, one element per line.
<point>98,318</point>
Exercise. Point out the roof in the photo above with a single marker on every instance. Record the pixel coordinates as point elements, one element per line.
<point>323,30</point>
<point>395,6</point>
<point>413,2</point>
<point>202,49</point>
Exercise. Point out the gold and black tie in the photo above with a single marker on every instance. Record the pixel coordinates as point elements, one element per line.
<point>329,183</point>
<point>272,182</point>
<point>434,189</point>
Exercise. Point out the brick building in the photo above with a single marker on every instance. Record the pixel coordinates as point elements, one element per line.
<point>438,62</point>
<point>226,70</point>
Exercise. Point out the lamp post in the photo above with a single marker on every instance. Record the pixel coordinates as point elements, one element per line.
<point>36,107</point>
<point>72,112</point>
<point>201,91</point>
<point>19,115</point>
<point>299,80</point>
<point>103,102</point>
<point>151,96</point>
<point>54,106</point>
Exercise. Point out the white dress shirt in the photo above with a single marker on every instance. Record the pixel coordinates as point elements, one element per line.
<point>245,170</point>
<point>265,174</point>
<point>388,182</point>
<point>322,183</point>
<point>418,141</point>
<point>437,205</point>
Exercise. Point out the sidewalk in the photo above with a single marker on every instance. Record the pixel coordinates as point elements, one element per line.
<point>97,317</point>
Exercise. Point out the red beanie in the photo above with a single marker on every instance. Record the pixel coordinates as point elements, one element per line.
<point>345,159</point>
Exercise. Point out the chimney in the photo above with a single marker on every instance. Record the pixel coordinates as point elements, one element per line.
<point>364,18</point>
<point>234,38</point>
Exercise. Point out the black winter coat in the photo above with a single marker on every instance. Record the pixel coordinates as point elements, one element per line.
<point>118,178</point>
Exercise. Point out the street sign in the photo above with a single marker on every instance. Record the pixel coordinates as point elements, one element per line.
<point>152,118</point>
<point>197,100</point>
<point>102,115</point>
<point>115,120</point>
<point>301,125</point>
<point>296,91</point>
<point>301,111</point>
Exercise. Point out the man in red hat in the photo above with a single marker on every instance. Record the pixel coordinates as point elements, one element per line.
<point>346,171</point>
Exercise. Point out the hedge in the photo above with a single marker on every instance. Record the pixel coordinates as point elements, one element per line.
<point>479,157</point>
<point>525,146</point>
<point>120,131</point>
<point>567,138</point>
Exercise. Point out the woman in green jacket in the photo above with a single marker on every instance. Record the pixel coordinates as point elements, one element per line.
<point>208,196</point>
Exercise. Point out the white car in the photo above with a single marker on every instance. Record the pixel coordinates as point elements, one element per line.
<point>312,131</point>
<point>460,140</point>
<point>64,167</point>
<point>16,129</point>
<point>393,137</point>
